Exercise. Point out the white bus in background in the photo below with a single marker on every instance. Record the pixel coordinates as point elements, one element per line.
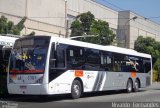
<point>48,65</point>
<point>6,43</point>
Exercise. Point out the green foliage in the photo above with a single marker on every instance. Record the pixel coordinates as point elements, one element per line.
<point>155,75</point>
<point>31,34</point>
<point>86,21</point>
<point>19,27</point>
<point>143,44</point>
<point>105,36</point>
<point>150,46</point>
<point>85,24</point>
<point>76,28</point>
<point>3,25</point>
<point>157,64</point>
<point>8,27</point>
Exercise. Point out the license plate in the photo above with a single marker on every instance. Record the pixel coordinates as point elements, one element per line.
<point>23,87</point>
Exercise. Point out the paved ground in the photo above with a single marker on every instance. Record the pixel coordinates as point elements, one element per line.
<point>91,100</point>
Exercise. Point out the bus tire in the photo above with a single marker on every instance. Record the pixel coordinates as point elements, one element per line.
<point>76,89</point>
<point>129,86</point>
<point>136,85</point>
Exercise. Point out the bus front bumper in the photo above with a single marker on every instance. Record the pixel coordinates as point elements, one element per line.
<point>28,89</point>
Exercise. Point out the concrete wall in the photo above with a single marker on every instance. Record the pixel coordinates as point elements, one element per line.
<point>123,29</point>
<point>43,16</point>
<point>131,29</point>
<point>76,7</point>
<point>13,7</point>
<point>50,16</point>
<point>143,27</point>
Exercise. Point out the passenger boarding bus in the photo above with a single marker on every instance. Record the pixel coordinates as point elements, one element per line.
<point>48,65</point>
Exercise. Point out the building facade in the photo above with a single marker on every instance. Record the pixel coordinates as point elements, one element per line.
<point>132,25</point>
<point>54,17</point>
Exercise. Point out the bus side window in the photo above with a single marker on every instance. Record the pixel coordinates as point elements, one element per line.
<point>1,59</point>
<point>93,59</point>
<point>58,56</point>
<point>52,57</point>
<point>75,57</point>
<point>147,65</point>
<point>106,62</point>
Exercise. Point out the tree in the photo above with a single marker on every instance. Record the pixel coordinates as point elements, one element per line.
<point>76,28</point>
<point>86,20</point>
<point>4,25</point>
<point>19,27</point>
<point>85,24</point>
<point>150,46</point>
<point>147,45</point>
<point>8,27</point>
<point>105,36</point>
<point>31,34</point>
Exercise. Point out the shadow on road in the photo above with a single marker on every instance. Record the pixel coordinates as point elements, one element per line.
<point>54,98</point>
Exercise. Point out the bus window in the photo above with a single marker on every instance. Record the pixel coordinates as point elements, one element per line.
<point>106,62</point>
<point>4,58</point>
<point>130,64</point>
<point>58,56</point>
<point>1,61</point>
<point>118,61</point>
<point>29,56</point>
<point>147,65</point>
<point>140,66</point>
<point>6,54</point>
<point>57,63</point>
<point>75,57</point>
<point>93,59</point>
<point>1,53</point>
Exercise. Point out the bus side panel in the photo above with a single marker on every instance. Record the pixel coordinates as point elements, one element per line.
<point>115,80</point>
<point>142,78</point>
<point>61,84</point>
<point>94,81</point>
<point>118,80</point>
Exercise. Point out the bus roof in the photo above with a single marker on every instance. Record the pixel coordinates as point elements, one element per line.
<point>95,46</point>
<point>7,40</point>
<point>100,47</point>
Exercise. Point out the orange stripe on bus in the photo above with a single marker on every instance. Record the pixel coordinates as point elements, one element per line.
<point>134,74</point>
<point>78,73</point>
<point>26,71</point>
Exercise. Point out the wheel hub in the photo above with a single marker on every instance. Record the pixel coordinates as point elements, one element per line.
<point>76,89</point>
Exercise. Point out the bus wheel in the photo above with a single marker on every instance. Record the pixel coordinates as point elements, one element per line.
<point>136,86</point>
<point>129,86</point>
<point>76,89</point>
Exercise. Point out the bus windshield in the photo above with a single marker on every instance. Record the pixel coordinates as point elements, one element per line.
<point>29,55</point>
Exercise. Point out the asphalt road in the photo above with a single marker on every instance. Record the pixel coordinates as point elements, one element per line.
<point>108,99</point>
